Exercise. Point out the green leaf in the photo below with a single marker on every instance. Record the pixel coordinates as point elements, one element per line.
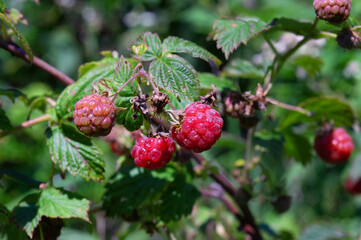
<point>75,152</point>
<point>291,25</point>
<point>297,146</point>
<point>312,65</point>
<point>179,45</point>
<point>86,67</point>
<point>73,93</point>
<point>164,193</point>
<point>154,44</point>
<point>11,93</point>
<point>323,232</point>
<point>176,75</point>
<point>24,44</point>
<point>178,200</point>
<point>324,109</point>
<point>239,68</point>
<point>221,83</point>
<point>132,121</point>
<point>5,123</point>
<point>50,203</point>
<point>229,34</point>
<point>129,189</point>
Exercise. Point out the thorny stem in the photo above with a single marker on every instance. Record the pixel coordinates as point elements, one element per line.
<point>289,107</point>
<point>28,123</point>
<point>20,53</point>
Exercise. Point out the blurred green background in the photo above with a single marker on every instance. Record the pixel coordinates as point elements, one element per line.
<point>67,33</point>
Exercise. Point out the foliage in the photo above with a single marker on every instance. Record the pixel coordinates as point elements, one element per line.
<point>257,180</point>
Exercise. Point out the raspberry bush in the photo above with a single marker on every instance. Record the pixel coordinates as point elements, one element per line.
<point>215,132</point>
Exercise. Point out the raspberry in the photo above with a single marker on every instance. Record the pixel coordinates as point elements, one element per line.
<point>94,115</point>
<point>333,11</point>
<point>200,128</point>
<point>233,104</point>
<point>335,146</point>
<point>353,186</point>
<point>153,152</point>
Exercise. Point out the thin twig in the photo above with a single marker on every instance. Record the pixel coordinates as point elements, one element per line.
<point>20,53</point>
<point>34,121</point>
<point>289,107</point>
<point>28,123</point>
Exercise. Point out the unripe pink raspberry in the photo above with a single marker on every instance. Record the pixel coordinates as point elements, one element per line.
<point>199,129</point>
<point>94,115</point>
<point>153,152</point>
<point>333,11</point>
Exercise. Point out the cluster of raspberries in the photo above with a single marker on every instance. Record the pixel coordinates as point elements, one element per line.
<point>200,127</point>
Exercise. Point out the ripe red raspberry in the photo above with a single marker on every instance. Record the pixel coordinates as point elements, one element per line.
<point>333,11</point>
<point>334,146</point>
<point>94,115</point>
<point>153,152</point>
<point>200,128</point>
<point>233,104</point>
<point>353,186</point>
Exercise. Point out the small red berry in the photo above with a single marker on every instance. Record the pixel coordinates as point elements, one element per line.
<point>200,128</point>
<point>94,115</point>
<point>353,186</point>
<point>333,11</point>
<point>335,146</point>
<point>153,152</point>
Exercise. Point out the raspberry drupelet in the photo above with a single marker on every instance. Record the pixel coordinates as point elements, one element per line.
<point>333,11</point>
<point>199,129</point>
<point>94,115</point>
<point>153,152</point>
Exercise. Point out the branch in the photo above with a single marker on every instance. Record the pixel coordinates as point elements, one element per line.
<point>289,107</point>
<point>20,53</point>
<point>248,218</point>
<point>28,123</point>
<point>229,205</point>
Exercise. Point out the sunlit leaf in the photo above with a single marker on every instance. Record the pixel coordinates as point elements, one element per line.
<point>176,75</point>
<point>51,203</point>
<point>178,45</point>
<point>75,152</point>
<point>229,34</point>
<point>154,44</point>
